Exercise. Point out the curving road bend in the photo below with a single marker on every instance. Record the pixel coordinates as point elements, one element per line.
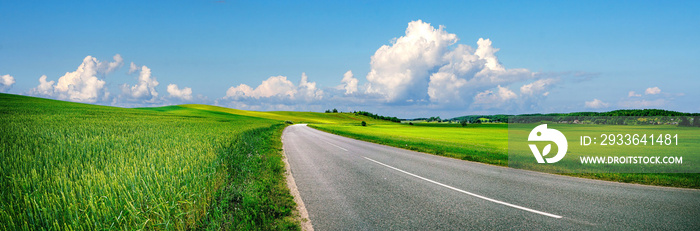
<point>348,184</point>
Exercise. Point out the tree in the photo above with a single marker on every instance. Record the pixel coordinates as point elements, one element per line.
<point>375,116</point>
<point>328,111</point>
<point>463,123</point>
<point>335,110</point>
<point>364,123</point>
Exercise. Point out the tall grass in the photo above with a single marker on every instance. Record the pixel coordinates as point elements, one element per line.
<point>75,166</point>
<point>255,195</point>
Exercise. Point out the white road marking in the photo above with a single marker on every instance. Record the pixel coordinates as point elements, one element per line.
<point>465,192</point>
<point>336,145</point>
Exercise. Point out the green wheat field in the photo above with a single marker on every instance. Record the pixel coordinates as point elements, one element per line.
<point>77,166</point>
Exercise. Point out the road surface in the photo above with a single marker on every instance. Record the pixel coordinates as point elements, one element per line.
<point>348,184</point>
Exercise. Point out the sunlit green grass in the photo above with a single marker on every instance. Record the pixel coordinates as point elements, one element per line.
<point>486,143</point>
<point>77,166</point>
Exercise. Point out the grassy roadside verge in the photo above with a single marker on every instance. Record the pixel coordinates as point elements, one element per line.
<point>255,196</point>
<point>449,144</point>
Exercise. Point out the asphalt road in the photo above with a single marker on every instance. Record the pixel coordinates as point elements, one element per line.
<point>348,184</point>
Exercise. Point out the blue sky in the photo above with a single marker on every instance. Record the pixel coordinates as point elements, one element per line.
<point>571,55</point>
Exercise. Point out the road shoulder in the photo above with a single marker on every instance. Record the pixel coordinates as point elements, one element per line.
<point>303,215</point>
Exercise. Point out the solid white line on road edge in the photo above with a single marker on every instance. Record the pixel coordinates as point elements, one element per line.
<point>465,192</point>
<point>336,145</point>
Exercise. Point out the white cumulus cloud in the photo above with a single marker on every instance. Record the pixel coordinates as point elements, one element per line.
<point>426,65</point>
<point>470,71</point>
<point>6,82</point>
<point>633,94</point>
<point>81,85</point>
<point>273,86</point>
<point>277,87</point>
<point>652,91</point>
<point>446,87</point>
<point>108,67</point>
<point>493,99</point>
<point>307,90</point>
<point>538,87</point>
<point>133,68</point>
<point>183,94</point>
<point>145,89</point>
<point>276,92</point>
<point>400,71</point>
<point>596,104</point>
<point>349,83</point>
<point>45,88</point>
<point>239,92</point>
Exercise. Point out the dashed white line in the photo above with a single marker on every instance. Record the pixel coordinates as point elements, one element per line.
<point>465,192</point>
<point>336,145</point>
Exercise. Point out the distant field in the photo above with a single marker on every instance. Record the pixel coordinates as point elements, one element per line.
<point>488,143</point>
<point>78,166</point>
<point>485,143</point>
<point>296,117</point>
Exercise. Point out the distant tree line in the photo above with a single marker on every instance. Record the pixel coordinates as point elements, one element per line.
<point>628,117</point>
<point>431,119</point>
<point>630,112</point>
<point>370,115</point>
<point>686,119</point>
<point>683,121</point>
<point>375,116</point>
<point>618,117</point>
<point>476,119</point>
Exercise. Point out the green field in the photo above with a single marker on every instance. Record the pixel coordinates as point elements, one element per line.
<point>296,117</point>
<point>485,143</point>
<point>78,166</point>
<point>488,143</point>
